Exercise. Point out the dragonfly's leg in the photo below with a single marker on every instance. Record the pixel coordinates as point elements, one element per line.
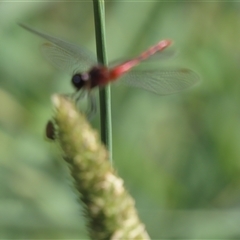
<point>76,96</point>
<point>80,95</point>
<point>68,95</point>
<point>92,106</point>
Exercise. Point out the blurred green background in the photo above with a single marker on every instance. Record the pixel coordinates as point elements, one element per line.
<point>179,155</point>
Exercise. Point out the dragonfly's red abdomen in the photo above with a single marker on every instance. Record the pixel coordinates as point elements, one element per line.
<point>115,73</point>
<point>123,68</point>
<point>120,70</point>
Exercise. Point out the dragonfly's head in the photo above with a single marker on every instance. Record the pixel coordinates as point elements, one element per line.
<point>79,80</point>
<point>97,76</point>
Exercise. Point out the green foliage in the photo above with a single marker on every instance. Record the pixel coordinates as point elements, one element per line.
<point>178,155</point>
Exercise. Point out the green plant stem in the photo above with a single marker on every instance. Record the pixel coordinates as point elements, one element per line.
<point>104,93</point>
<point>109,209</point>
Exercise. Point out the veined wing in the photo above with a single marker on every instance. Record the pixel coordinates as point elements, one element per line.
<point>162,82</point>
<point>63,55</point>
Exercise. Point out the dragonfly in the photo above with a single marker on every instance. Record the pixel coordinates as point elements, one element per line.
<point>87,74</point>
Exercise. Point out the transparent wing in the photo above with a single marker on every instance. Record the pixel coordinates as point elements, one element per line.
<point>64,55</point>
<point>162,82</point>
<point>65,60</point>
<point>167,54</point>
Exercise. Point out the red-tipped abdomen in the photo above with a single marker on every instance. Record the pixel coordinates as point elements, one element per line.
<point>123,68</point>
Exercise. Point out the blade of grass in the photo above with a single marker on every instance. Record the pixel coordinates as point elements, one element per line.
<point>104,93</point>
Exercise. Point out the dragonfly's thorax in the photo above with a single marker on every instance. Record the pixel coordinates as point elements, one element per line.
<point>97,76</point>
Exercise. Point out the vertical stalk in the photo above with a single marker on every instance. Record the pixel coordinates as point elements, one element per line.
<point>104,93</point>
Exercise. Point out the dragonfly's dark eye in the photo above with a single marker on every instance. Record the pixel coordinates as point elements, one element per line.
<point>78,80</point>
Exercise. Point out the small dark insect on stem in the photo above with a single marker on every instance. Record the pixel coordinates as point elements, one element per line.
<point>104,93</point>
<point>50,130</point>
